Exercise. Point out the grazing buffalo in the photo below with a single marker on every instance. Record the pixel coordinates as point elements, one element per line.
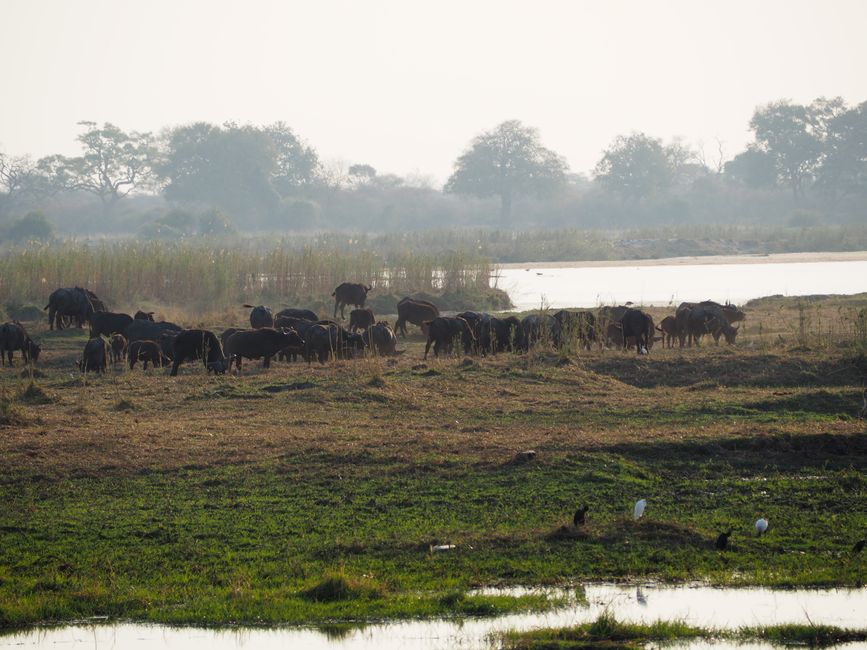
<point>361,319</point>
<point>144,315</point>
<point>94,356</point>
<point>381,339</point>
<point>145,351</point>
<point>322,340</point>
<point>300,325</point>
<point>117,347</point>
<point>579,324</point>
<point>540,328</point>
<point>417,312</point>
<point>13,337</point>
<point>668,327</point>
<point>146,330</point>
<point>198,344</point>
<point>442,332</point>
<point>349,293</point>
<point>74,302</point>
<point>262,343</point>
<point>260,316</point>
<point>638,326</point>
<point>306,314</point>
<point>227,333</point>
<point>614,335</point>
<point>166,342</point>
<point>696,319</point>
<point>507,334</point>
<point>106,323</point>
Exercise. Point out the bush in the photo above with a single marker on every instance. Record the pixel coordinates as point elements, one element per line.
<point>31,227</point>
<point>214,223</point>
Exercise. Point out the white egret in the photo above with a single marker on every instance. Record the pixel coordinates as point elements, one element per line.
<point>638,510</point>
<point>761,526</point>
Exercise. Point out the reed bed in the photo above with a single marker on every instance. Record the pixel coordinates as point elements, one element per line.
<point>223,273</point>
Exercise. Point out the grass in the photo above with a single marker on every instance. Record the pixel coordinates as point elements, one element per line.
<point>313,494</point>
<point>606,631</point>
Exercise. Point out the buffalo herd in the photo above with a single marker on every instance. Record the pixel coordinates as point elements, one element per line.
<point>292,332</point>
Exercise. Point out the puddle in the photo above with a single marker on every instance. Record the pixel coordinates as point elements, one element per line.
<point>696,605</point>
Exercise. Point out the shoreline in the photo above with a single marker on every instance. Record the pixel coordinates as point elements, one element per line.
<point>746,258</point>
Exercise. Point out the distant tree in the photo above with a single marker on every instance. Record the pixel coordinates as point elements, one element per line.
<point>753,168</point>
<point>794,136</point>
<point>637,166</point>
<point>230,167</point>
<point>31,227</point>
<point>296,166</point>
<point>362,173</point>
<point>844,166</point>
<point>214,223</point>
<point>505,162</point>
<point>18,179</point>
<point>112,165</point>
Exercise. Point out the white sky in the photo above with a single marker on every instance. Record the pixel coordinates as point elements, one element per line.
<point>405,85</point>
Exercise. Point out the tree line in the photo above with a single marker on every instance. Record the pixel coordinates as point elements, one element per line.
<point>806,165</point>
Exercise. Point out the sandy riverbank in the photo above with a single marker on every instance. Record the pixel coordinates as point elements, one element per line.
<point>774,258</point>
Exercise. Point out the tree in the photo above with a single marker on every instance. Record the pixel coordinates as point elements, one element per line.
<point>753,167</point>
<point>361,173</point>
<point>113,164</point>
<point>794,136</point>
<point>636,166</point>
<point>844,165</point>
<point>296,166</point>
<point>18,179</point>
<point>230,167</point>
<point>507,161</point>
<point>31,227</point>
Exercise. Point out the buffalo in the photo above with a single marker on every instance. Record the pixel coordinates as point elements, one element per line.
<point>580,324</point>
<point>94,356</point>
<point>146,330</point>
<point>361,319</point>
<point>442,332</point>
<point>349,293</point>
<point>540,328</point>
<point>198,344</point>
<point>227,333</point>
<point>300,325</point>
<point>306,314</point>
<point>144,315</point>
<point>260,343</point>
<point>696,319</point>
<point>417,312</point>
<point>13,337</point>
<point>381,339</point>
<point>74,302</point>
<point>117,346</point>
<point>260,316</point>
<point>106,323</point>
<point>324,339</point>
<point>166,342</point>
<point>145,351</point>
<point>638,326</point>
<point>668,327</point>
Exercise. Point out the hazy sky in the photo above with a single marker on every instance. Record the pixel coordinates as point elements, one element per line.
<point>405,85</point>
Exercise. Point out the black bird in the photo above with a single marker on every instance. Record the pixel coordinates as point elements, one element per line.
<point>859,546</point>
<point>580,516</point>
<point>723,540</point>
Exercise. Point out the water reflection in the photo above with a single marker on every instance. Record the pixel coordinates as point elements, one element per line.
<point>696,605</point>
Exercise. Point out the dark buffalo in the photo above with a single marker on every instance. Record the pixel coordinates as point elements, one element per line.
<point>417,312</point>
<point>94,356</point>
<point>730,312</point>
<point>198,344</point>
<point>74,302</point>
<point>322,340</point>
<point>260,316</point>
<point>166,342</point>
<point>117,346</point>
<point>638,327</point>
<point>696,319</point>
<point>262,343</point>
<point>145,351</point>
<point>143,315</point>
<point>380,338</point>
<point>668,327</point>
<point>349,293</point>
<point>578,324</point>
<point>507,334</point>
<point>13,337</point>
<point>614,335</point>
<point>306,314</point>
<point>361,319</point>
<point>106,323</point>
<point>227,333</point>
<point>540,328</point>
<point>300,325</point>
<point>443,331</point>
<point>146,330</point>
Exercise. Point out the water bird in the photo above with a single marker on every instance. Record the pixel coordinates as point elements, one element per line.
<point>580,516</point>
<point>638,510</point>
<point>859,546</point>
<point>761,526</point>
<point>722,541</point>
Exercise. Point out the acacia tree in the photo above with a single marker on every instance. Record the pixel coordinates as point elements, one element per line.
<point>506,161</point>
<point>18,178</point>
<point>112,165</point>
<point>296,165</point>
